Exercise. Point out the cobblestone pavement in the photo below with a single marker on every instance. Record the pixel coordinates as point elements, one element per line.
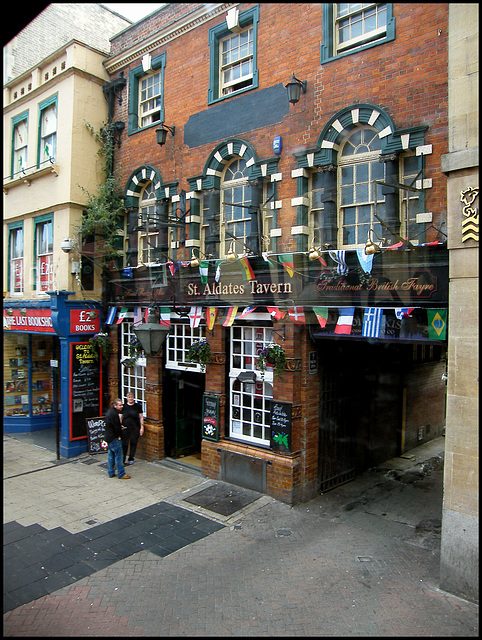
<point>361,560</point>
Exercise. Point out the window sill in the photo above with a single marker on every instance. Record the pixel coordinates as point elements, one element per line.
<point>27,178</point>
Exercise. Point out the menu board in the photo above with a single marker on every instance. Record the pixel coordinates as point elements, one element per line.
<point>210,418</point>
<point>95,433</point>
<point>85,387</point>
<point>281,426</point>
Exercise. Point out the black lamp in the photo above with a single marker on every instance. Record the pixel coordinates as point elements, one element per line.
<point>151,334</point>
<point>161,134</point>
<point>295,87</point>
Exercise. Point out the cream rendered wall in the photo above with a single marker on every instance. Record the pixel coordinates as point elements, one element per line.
<point>80,99</point>
<point>459,564</point>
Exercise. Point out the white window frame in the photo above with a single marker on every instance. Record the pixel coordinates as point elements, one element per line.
<point>345,14</point>
<point>44,256</point>
<point>239,222</point>
<point>20,146</point>
<point>48,133</point>
<point>16,257</point>
<point>149,232</point>
<point>234,59</point>
<point>150,100</point>
<point>132,378</point>
<point>250,403</point>
<point>178,341</point>
<point>316,212</point>
<point>356,161</point>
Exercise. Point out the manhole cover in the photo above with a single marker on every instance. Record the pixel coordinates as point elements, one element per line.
<point>89,461</point>
<point>223,499</point>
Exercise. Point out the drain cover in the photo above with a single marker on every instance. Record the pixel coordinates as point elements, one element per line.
<point>223,499</point>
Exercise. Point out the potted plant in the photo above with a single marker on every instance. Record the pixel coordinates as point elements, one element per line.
<point>274,355</point>
<point>135,352</point>
<point>200,352</point>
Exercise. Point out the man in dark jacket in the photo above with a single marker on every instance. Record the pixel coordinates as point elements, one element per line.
<point>113,438</point>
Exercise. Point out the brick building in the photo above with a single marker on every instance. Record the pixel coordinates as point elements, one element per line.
<point>318,225</point>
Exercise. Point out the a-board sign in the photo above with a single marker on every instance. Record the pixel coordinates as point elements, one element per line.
<point>95,433</point>
<point>210,427</point>
<point>281,426</point>
<point>85,387</point>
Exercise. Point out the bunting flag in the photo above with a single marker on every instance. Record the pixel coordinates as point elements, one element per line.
<point>322,260</point>
<point>396,246</point>
<point>338,256</point>
<point>437,324</point>
<point>146,313</point>
<point>165,316</point>
<point>297,315</point>
<point>173,267</point>
<point>211,314</point>
<point>246,312</point>
<point>122,315</point>
<point>218,270</point>
<point>372,322</point>
<point>406,311</point>
<point>286,260</point>
<point>321,314</point>
<point>195,315</point>
<point>345,320</point>
<point>185,263</point>
<point>137,315</point>
<point>276,313</point>
<point>247,270</point>
<point>111,315</point>
<point>366,262</point>
<point>127,272</point>
<point>203,270</point>
<point>230,316</point>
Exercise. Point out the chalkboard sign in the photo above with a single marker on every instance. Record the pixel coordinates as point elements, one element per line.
<point>281,426</point>
<point>210,418</point>
<point>95,433</point>
<point>85,387</point>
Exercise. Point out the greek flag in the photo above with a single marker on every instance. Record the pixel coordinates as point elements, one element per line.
<point>372,322</point>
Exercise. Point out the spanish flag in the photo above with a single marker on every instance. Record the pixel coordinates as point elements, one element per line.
<point>230,316</point>
<point>248,272</point>
<point>211,314</point>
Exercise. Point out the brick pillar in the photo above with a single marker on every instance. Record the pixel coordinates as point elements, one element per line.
<point>151,445</point>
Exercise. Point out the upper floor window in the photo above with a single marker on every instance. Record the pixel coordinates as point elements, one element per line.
<point>19,156</point>
<point>232,57</point>
<point>150,99</point>
<point>48,131</point>
<point>15,251</point>
<point>44,254</point>
<point>146,93</point>
<point>358,22</point>
<point>235,196</point>
<point>149,228</point>
<point>358,167</point>
<point>352,26</point>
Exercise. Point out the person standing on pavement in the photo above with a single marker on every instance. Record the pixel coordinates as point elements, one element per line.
<point>113,437</point>
<point>132,426</point>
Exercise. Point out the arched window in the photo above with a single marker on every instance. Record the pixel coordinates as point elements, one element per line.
<point>358,166</point>
<point>149,228</point>
<point>235,201</point>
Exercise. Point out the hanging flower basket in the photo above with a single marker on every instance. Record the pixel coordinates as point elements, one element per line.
<point>135,352</point>
<point>200,352</point>
<point>274,355</point>
<point>101,341</point>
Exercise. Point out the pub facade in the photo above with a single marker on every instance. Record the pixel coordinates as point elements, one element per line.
<point>286,214</point>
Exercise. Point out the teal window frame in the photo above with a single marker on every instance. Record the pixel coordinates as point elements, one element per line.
<point>327,53</point>
<point>247,18</point>
<point>15,121</point>
<point>157,64</point>
<point>41,108</point>
<point>48,217</point>
<point>15,226</point>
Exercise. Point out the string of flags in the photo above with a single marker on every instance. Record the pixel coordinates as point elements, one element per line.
<point>368,322</point>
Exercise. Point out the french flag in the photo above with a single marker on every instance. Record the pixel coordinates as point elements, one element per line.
<point>345,320</point>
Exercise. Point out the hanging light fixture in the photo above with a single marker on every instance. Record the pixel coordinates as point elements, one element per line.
<point>231,254</point>
<point>314,253</point>
<point>161,134</point>
<point>151,334</point>
<point>295,87</point>
<point>371,247</point>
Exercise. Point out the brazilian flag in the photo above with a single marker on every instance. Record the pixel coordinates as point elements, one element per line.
<point>437,324</point>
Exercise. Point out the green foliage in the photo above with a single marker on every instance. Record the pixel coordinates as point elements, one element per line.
<point>272,354</point>
<point>200,352</point>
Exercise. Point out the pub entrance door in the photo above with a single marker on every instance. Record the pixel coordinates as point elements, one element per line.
<point>182,402</point>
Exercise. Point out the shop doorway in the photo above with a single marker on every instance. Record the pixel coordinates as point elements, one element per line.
<point>182,409</point>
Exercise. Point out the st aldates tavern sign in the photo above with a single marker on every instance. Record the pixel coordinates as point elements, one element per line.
<point>397,278</point>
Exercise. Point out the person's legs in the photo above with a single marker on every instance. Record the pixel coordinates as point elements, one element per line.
<point>118,459</point>
<point>125,444</point>
<point>133,440</point>
<point>110,459</point>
